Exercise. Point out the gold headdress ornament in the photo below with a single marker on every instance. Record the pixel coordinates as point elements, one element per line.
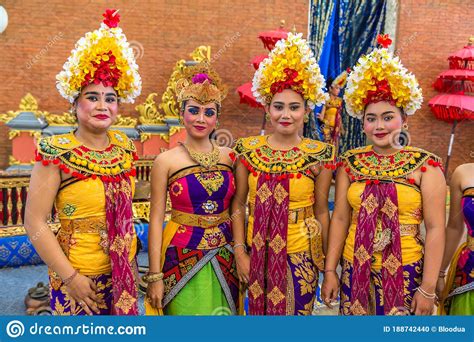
<point>290,65</point>
<point>102,56</point>
<point>202,84</point>
<point>379,76</point>
<point>341,80</point>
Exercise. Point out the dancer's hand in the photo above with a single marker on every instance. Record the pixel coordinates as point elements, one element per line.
<point>242,259</point>
<point>83,291</point>
<point>154,294</point>
<point>330,288</point>
<point>422,306</point>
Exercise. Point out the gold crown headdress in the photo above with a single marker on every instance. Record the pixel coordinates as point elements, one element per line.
<point>341,80</point>
<point>202,84</point>
<point>290,65</point>
<point>379,76</point>
<point>102,56</point>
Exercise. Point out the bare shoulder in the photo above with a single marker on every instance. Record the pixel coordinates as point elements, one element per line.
<point>225,151</point>
<point>165,159</point>
<point>463,176</point>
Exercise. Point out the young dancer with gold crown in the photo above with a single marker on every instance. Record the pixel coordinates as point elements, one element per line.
<point>332,111</point>
<point>383,193</point>
<point>89,175</point>
<point>287,179</point>
<point>192,268</point>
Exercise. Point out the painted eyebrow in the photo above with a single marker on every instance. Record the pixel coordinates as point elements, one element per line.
<point>291,103</point>
<point>97,93</point>
<point>384,113</point>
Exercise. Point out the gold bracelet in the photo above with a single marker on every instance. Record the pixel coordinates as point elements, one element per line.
<point>152,277</point>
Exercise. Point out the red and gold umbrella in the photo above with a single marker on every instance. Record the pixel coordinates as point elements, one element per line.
<point>246,96</point>
<point>270,38</point>
<point>457,83</point>
<point>452,107</point>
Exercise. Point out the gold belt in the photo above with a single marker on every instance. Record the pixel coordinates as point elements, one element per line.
<point>96,224</point>
<point>204,221</point>
<point>294,215</point>
<point>405,229</point>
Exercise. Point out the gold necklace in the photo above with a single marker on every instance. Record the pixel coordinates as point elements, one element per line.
<point>205,159</point>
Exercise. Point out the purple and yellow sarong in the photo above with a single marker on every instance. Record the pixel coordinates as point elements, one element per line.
<point>200,276</point>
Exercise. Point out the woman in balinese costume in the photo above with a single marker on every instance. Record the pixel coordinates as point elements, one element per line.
<point>383,193</point>
<point>89,175</point>
<point>192,268</point>
<point>287,179</point>
<point>457,294</point>
<point>332,111</point>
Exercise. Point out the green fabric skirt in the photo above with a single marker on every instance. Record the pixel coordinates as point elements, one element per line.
<point>202,295</point>
<point>462,304</point>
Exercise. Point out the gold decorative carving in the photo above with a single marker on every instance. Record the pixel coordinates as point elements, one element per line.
<point>13,133</point>
<point>65,119</point>
<point>144,136</point>
<point>125,121</point>
<point>175,129</point>
<point>148,112</point>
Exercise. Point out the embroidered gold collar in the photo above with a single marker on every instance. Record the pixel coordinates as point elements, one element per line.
<point>364,163</point>
<point>70,155</point>
<point>258,155</point>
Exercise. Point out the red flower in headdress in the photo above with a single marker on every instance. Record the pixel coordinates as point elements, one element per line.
<point>382,93</point>
<point>106,72</point>
<point>112,18</point>
<point>289,83</point>
<point>384,40</point>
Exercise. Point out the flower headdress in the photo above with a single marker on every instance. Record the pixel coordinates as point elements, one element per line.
<point>102,56</point>
<point>200,83</point>
<point>290,65</point>
<point>379,76</point>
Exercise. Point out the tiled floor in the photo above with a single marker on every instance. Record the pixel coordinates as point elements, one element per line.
<point>15,283</point>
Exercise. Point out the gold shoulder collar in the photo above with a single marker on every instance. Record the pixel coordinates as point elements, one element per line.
<point>56,145</point>
<point>120,139</point>
<point>364,163</point>
<point>70,155</point>
<point>257,155</point>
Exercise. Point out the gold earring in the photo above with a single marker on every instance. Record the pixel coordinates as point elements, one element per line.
<point>181,121</point>
<point>306,118</point>
<point>405,126</point>
<point>267,116</point>
<point>217,124</point>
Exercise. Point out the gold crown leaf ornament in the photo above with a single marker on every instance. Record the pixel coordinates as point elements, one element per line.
<point>202,84</point>
<point>341,79</point>
<point>101,56</point>
<point>380,76</point>
<point>290,65</point>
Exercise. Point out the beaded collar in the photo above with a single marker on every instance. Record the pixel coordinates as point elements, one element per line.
<point>365,164</point>
<point>258,156</point>
<point>70,155</point>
